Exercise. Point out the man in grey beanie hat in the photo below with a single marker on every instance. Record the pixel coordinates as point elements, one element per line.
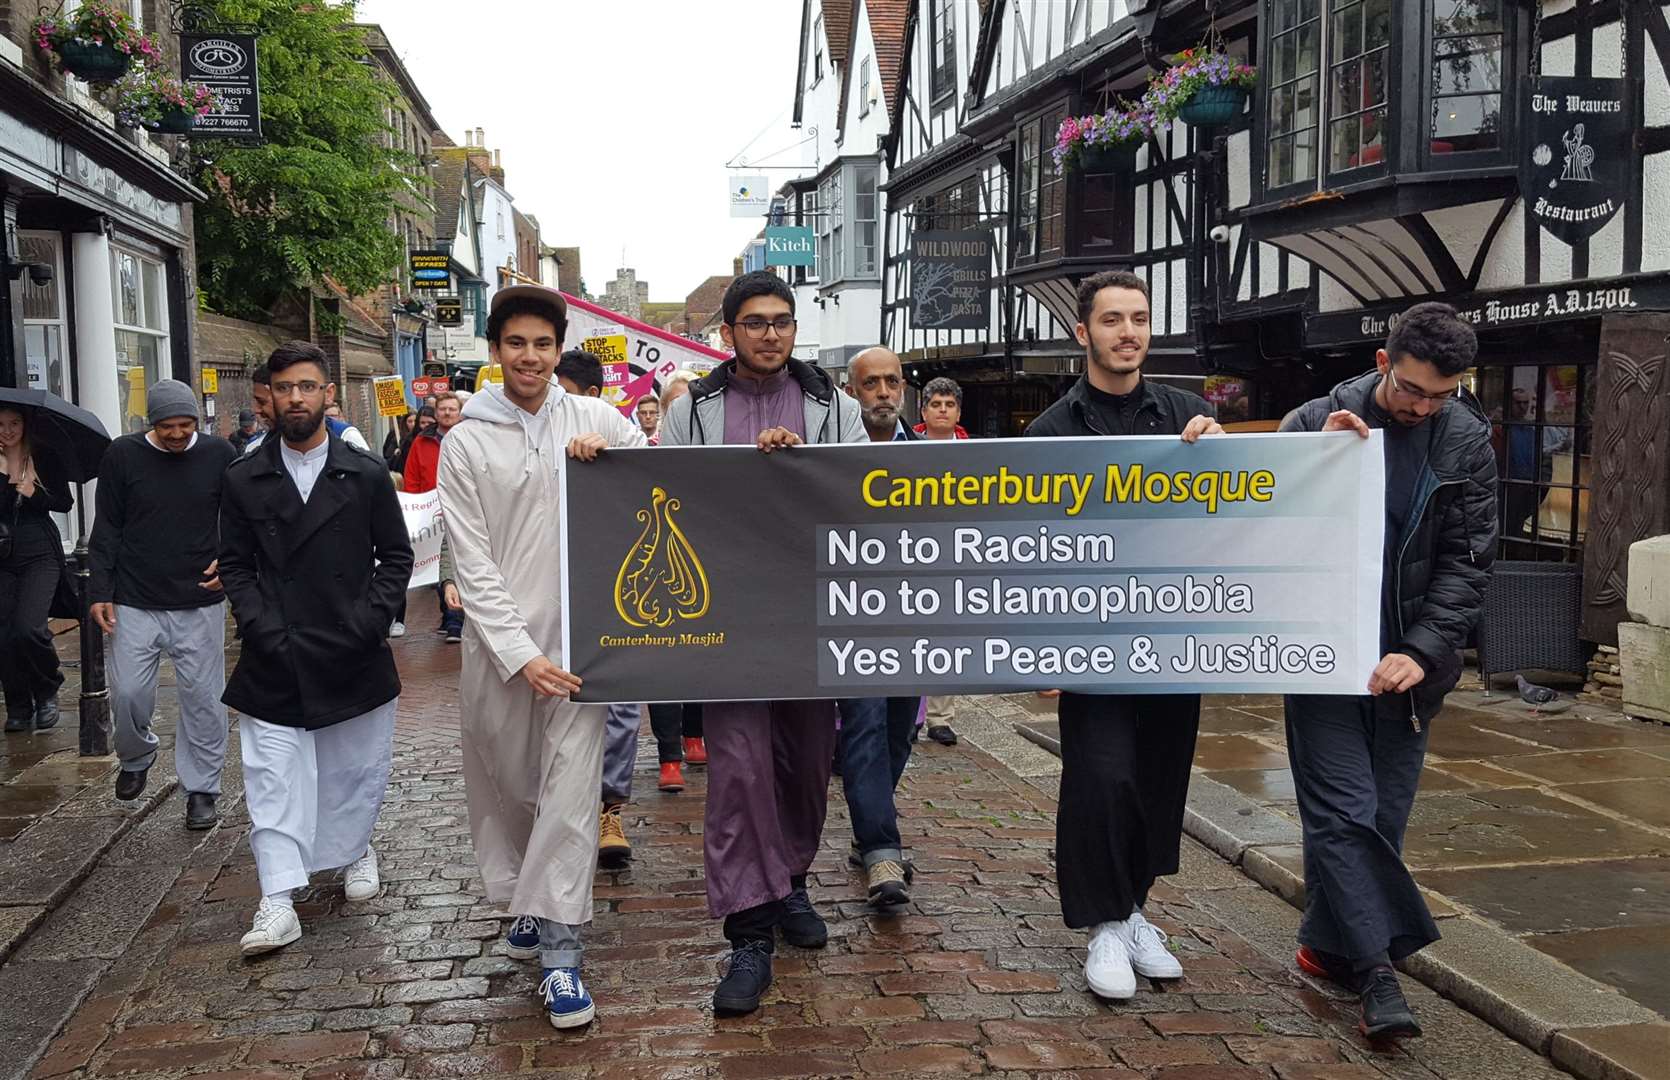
<point>155,588</point>
<point>167,399</point>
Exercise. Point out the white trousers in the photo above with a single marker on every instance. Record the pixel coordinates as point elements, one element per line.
<point>314,796</point>
<point>195,639</point>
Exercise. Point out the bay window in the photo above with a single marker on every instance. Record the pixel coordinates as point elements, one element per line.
<point>847,222</point>
<point>1338,88</point>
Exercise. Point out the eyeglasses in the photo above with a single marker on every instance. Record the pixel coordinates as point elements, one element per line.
<point>307,387</point>
<point>757,327</point>
<point>1416,395</point>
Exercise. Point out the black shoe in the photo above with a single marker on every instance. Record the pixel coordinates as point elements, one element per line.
<point>943,735</point>
<point>201,812</point>
<point>1385,1012</point>
<point>802,926</point>
<point>130,784</point>
<point>20,717</point>
<point>746,980</point>
<point>46,713</point>
<point>453,637</point>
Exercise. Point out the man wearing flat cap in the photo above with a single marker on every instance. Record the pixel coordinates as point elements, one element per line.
<point>155,589</point>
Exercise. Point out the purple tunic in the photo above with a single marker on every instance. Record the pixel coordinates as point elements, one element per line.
<point>768,761</point>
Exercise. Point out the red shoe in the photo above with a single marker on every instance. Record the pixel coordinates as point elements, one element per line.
<point>672,777</point>
<point>1322,966</point>
<point>695,751</point>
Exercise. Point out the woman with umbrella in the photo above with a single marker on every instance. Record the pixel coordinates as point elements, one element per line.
<point>31,563</point>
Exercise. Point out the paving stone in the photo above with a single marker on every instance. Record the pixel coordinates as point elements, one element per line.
<point>1563,896</point>
<point>39,999</point>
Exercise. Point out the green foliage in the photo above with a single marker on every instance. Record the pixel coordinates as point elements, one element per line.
<point>317,199</point>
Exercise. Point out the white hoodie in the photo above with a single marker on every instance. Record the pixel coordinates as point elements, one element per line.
<point>499,483</point>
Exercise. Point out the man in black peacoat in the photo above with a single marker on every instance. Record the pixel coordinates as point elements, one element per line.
<point>315,559</point>
<point>314,586</point>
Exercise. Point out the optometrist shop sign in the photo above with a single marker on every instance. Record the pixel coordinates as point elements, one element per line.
<point>226,64</point>
<point>1574,173</point>
<point>1244,563</point>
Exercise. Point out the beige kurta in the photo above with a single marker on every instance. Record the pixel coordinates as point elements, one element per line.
<point>532,765</point>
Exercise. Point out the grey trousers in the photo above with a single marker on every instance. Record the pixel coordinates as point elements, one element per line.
<point>1356,763</point>
<point>620,751</point>
<point>195,640</point>
<point>560,945</point>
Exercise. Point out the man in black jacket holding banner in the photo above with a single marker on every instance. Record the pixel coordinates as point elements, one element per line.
<point>1356,761</point>
<point>1125,759</point>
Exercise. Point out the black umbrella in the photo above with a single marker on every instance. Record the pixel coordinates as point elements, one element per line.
<point>67,440</point>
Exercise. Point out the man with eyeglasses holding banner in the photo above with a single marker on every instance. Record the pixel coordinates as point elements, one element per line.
<point>1357,761</point>
<point>768,761</point>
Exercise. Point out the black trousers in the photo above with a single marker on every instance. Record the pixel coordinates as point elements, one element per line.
<point>672,724</point>
<point>1356,763</point>
<point>28,662</point>
<point>1124,779</point>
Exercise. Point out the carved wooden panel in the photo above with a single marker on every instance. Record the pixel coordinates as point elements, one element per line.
<point>1630,496</point>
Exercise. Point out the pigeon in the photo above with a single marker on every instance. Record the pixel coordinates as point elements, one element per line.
<point>1534,695</point>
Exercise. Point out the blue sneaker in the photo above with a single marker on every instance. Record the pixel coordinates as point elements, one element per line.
<point>567,1004</point>
<point>522,943</point>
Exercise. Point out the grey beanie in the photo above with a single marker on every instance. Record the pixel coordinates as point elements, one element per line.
<point>169,398</point>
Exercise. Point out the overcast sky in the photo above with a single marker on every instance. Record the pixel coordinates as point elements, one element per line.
<point>615,117</point>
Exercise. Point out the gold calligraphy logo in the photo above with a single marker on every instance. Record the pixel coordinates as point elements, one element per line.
<point>661,578</point>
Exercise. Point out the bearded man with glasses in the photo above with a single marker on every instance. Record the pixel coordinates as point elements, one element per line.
<point>768,761</point>
<point>1357,761</point>
<point>315,559</point>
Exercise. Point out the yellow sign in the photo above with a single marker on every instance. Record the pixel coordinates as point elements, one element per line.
<point>211,381</point>
<point>488,373</point>
<point>610,349</point>
<point>662,578</point>
<point>391,396</point>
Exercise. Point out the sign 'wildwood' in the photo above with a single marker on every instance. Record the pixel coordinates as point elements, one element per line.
<point>1574,170</point>
<point>225,63</point>
<point>950,280</point>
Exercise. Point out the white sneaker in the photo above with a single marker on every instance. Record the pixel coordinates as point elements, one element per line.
<point>1147,945</point>
<point>275,926</point>
<point>360,880</point>
<point>397,629</point>
<point>1108,967</point>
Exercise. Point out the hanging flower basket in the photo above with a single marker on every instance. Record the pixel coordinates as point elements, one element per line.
<point>1099,143</point>
<point>98,42</point>
<point>151,99</point>
<point>1213,106</point>
<point>1202,87</point>
<point>175,121</point>
<point>101,63</point>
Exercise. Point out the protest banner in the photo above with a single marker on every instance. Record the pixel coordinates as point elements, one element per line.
<point>637,358</point>
<point>391,395</point>
<point>1244,563</point>
<point>426,528</point>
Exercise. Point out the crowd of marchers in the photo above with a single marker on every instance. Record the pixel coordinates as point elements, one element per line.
<point>296,524</point>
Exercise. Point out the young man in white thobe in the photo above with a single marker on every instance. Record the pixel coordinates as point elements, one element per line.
<point>533,759</point>
<point>315,559</point>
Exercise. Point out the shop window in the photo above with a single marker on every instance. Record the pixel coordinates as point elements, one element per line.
<point>831,233</point>
<point>1359,45</point>
<point>1291,105</point>
<point>942,79</point>
<point>1029,166</point>
<point>1540,420</point>
<point>1466,76</point>
<point>1052,191</point>
<point>142,357</point>
<point>864,221</point>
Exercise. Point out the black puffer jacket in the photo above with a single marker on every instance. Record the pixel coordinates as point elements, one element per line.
<point>1443,561</point>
